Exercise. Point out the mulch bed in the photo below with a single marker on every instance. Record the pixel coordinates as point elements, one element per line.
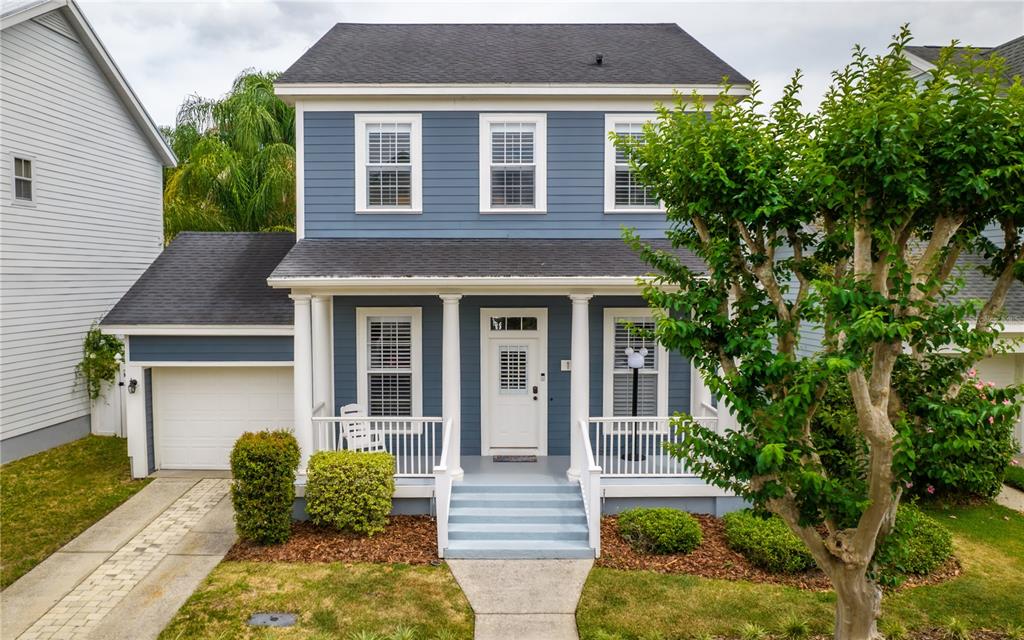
<point>714,559</point>
<point>408,539</point>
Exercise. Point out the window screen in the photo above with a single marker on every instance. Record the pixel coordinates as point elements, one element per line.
<point>628,192</point>
<point>513,165</point>
<point>389,165</point>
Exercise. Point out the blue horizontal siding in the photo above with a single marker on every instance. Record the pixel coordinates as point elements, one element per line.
<point>559,348</point>
<point>210,348</point>
<point>451,194</point>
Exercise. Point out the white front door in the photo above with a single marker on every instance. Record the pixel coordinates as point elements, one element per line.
<point>514,381</point>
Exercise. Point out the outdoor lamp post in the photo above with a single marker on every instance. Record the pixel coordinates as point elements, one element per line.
<point>635,361</point>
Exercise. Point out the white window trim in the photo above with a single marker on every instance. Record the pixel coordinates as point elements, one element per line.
<point>416,313</point>
<point>540,157</point>
<point>610,120</point>
<point>415,122</point>
<point>608,359</point>
<point>15,200</point>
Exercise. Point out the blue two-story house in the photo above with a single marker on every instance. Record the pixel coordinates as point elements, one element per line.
<point>457,291</point>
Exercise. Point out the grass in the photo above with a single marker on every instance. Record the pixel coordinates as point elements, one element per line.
<point>988,539</point>
<point>331,600</point>
<point>49,498</point>
<point>1015,477</point>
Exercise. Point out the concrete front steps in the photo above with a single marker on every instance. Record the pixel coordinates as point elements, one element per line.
<point>517,521</point>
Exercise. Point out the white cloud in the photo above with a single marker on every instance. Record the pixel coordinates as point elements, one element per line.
<point>171,49</point>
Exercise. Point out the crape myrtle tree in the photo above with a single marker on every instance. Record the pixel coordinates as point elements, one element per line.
<point>831,242</point>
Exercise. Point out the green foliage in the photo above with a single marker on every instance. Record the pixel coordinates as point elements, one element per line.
<point>767,542</point>
<point>917,545</point>
<point>660,530</point>
<point>1015,476</point>
<point>236,155</point>
<point>263,465</point>
<point>750,631</point>
<point>101,360</point>
<point>350,490</point>
<point>796,629</point>
<point>957,629</point>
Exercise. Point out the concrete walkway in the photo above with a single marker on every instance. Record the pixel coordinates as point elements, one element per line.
<point>523,599</point>
<point>1012,498</point>
<point>128,574</point>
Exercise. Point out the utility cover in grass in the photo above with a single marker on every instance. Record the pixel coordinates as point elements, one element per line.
<point>272,620</point>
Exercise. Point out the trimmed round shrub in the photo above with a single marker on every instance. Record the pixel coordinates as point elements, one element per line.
<point>767,542</point>
<point>350,490</point>
<point>263,465</point>
<point>917,545</point>
<point>660,530</point>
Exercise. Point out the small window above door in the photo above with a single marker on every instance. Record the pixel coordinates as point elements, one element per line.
<point>513,323</point>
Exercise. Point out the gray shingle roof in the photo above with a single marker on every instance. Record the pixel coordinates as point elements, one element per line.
<point>210,278</point>
<point>978,286</point>
<point>1012,51</point>
<point>509,53</point>
<point>465,257</point>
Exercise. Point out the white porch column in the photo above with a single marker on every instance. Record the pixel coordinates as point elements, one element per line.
<point>322,356</point>
<point>303,377</point>
<point>451,378</point>
<point>135,419</point>
<point>579,395</point>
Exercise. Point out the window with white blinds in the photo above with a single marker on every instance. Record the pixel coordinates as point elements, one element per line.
<point>389,362</point>
<point>388,163</point>
<point>623,329</point>
<point>623,193</point>
<point>512,158</point>
<point>512,363</point>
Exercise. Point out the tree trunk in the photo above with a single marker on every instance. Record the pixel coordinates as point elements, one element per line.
<point>858,605</point>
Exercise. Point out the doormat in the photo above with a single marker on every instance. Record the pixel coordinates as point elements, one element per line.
<point>515,458</point>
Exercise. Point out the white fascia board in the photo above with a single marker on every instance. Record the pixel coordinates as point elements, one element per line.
<point>225,363</point>
<point>538,89</point>
<point>643,488</point>
<point>918,62</point>
<point>118,82</point>
<point>626,286</point>
<point>199,330</point>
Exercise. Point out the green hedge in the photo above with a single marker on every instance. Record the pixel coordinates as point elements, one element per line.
<point>350,490</point>
<point>263,465</point>
<point>766,542</point>
<point>1015,477</point>
<point>660,530</point>
<point>917,545</point>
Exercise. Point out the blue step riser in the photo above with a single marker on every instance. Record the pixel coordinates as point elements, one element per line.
<point>514,535</point>
<point>513,503</point>
<point>516,488</point>
<point>458,518</point>
<point>525,554</point>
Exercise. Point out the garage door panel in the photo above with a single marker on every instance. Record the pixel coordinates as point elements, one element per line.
<point>200,412</point>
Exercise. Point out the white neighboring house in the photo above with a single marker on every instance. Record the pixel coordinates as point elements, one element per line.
<point>81,215</point>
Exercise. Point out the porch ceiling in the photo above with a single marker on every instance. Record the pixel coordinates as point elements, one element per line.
<point>314,262</point>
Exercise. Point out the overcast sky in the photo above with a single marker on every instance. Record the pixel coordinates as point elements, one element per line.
<point>171,49</point>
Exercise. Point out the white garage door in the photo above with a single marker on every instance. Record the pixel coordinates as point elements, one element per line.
<point>199,412</point>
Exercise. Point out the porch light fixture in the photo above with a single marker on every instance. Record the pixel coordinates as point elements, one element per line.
<point>635,361</point>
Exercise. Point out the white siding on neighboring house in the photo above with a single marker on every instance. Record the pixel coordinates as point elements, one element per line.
<point>94,227</point>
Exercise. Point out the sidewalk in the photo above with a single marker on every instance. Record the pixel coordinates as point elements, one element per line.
<point>523,599</point>
<point>128,574</point>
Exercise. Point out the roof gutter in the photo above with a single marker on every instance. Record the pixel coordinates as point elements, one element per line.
<point>329,89</point>
<point>512,285</point>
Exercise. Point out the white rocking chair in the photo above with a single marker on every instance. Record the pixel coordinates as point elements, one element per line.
<point>358,435</point>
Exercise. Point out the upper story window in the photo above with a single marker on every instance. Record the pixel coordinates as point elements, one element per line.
<point>622,192</point>
<point>513,163</point>
<point>23,180</point>
<point>388,163</point>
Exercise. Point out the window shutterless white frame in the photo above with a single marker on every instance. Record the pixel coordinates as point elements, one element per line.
<point>363,314</point>
<point>415,122</point>
<point>31,179</point>
<point>610,122</point>
<point>608,359</point>
<point>540,160</point>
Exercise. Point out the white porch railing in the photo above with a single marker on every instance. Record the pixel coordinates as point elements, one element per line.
<point>416,443</point>
<point>635,447</point>
<point>590,487</point>
<point>443,488</point>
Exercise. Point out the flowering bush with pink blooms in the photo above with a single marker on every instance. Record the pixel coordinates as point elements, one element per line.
<point>961,447</point>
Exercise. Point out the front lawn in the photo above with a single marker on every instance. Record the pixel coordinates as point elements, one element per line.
<point>49,498</point>
<point>332,601</point>
<point>989,541</point>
